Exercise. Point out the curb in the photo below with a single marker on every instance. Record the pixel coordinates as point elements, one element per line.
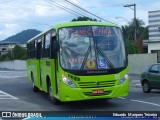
<point>136,85</point>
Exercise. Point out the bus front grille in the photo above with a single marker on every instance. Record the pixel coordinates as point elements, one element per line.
<point>98,84</point>
<point>92,94</point>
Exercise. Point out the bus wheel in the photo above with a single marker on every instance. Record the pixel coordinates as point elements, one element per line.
<point>50,95</point>
<point>35,89</point>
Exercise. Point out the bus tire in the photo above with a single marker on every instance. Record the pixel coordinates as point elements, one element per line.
<point>50,95</point>
<point>35,89</point>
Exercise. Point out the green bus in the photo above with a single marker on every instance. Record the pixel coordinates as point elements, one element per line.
<point>79,61</point>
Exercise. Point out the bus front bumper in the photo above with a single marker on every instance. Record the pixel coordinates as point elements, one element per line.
<point>76,94</point>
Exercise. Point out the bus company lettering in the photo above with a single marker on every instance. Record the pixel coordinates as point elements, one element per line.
<point>96,72</point>
<point>81,32</point>
<point>73,60</point>
<point>104,31</point>
<point>100,31</point>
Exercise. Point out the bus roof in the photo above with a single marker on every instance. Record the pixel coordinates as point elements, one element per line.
<point>76,23</point>
<point>83,23</point>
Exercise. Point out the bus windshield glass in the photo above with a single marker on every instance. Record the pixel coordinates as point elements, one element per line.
<point>91,48</point>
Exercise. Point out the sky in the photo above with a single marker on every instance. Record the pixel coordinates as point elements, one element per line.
<point>19,15</point>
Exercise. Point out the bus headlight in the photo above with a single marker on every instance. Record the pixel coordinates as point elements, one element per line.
<point>123,79</point>
<point>68,82</point>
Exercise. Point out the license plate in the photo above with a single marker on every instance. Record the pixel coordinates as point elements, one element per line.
<point>98,91</point>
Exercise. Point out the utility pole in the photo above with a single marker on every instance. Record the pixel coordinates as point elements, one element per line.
<point>159,28</point>
<point>135,26</point>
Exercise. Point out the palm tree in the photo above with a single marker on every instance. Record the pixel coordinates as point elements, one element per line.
<point>139,26</point>
<point>128,33</point>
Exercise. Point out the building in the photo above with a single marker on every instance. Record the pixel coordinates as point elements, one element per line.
<point>8,46</point>
<point>145,46</point>
<point>154,33</point>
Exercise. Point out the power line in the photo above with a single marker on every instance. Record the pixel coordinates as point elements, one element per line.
<point>75,8</point>
<point>87,11</point>
<point>105,6</point>
<point>66,7</point>
<point>63,8</point>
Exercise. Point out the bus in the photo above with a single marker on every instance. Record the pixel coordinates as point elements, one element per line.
<point>77,61</point>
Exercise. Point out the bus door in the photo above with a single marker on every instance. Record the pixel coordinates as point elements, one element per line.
<point>54,58</point>
<point>48,63</point>
<point>39,50</point>
<point>45,61</point>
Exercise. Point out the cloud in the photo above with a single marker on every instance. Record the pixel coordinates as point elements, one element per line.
<point>11,26</point>
<point>43,10</point>
<point>9,29</point>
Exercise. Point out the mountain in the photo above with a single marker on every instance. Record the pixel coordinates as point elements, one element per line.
<point>23,36</point>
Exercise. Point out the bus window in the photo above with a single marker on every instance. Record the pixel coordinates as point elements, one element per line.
<point>32,49</point>
<point>28,50</point>
<point>46,48</point>
<point>38,49</point>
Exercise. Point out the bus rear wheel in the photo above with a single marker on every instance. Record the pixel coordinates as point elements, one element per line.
<point>35,89</point>
<point>50,95</point>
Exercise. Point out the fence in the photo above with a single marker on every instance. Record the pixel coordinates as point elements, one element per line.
<point>13,65</point>
<point>137,62</point>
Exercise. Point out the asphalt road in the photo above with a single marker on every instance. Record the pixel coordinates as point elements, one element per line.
<point>16,95</point>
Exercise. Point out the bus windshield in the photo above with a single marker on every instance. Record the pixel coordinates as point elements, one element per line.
<point>91,48</point>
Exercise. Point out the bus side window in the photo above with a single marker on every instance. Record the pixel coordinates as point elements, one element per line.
<point>46,47</point>
<point>28,51</point>
<point>42,46</point>
<point>39,46</point>
<point>54,47</point>
<point>53,44</point>
<point>32,50</point>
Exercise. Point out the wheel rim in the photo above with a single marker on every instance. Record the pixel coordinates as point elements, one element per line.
<point>145,87</point>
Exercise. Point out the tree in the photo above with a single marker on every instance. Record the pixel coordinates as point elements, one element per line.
<point>19,53</point>
<point>84,19</point>
<point>6,57</point>
<point>131,47</point>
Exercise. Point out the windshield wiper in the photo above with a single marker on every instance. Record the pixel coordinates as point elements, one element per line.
<point>109,63</point>
<point>85,58</point>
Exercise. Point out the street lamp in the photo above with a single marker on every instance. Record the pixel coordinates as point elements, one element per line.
<point>125,20</point>
<point>159,28</point>
<point>122,18</point>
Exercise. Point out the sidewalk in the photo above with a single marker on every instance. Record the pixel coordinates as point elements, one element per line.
<point>6,73</point>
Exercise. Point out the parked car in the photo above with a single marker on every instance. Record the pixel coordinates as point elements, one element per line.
<point>150,78</point>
